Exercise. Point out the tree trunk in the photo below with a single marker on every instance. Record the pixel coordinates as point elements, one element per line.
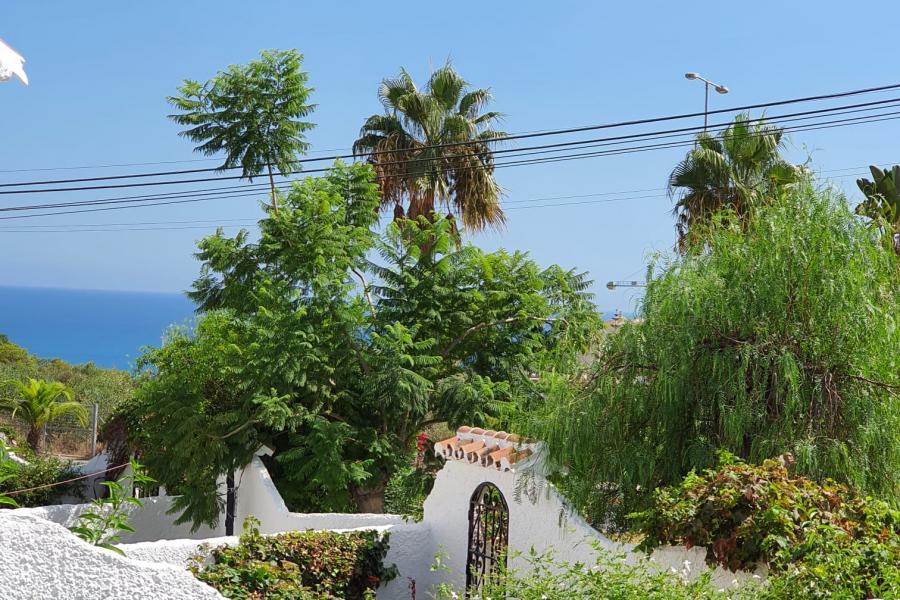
<point>230,503</point>
<point>37,439</point>
<point>371,499</point>
<point>272,185</point>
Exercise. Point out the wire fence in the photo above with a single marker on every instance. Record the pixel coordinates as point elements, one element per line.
<point>66,436</point>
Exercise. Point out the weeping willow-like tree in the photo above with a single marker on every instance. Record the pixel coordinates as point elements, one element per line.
<point>781,336</point>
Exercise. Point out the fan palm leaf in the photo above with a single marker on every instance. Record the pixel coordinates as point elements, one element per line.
<point>424,154</point>
<point>736,170</point>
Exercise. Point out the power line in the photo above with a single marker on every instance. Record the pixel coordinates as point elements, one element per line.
<point>519,152</point>
<point>452,144</point>
<point>200,195</point>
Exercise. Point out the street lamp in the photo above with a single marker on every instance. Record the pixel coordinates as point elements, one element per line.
<point>706,83</point>
<point>617,284</point>
<point>11,63</point>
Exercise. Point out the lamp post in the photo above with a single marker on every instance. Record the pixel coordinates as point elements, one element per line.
<point>706,83</point>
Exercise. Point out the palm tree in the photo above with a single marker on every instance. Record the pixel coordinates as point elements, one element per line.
<point>431,149</point>
<point>882,203</point>
<point>736,170</point>
<point>39,403</point>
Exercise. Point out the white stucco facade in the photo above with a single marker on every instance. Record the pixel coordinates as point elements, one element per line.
<point>41,560</point>
<point>539,519</point>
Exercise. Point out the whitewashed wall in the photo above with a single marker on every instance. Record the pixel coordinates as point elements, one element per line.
<point>40,560</point>
<point>538,519</point>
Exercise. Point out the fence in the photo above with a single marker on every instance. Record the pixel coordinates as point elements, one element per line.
<point>65,436</point>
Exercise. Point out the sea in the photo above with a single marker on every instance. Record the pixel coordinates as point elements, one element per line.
<point>107,328</point>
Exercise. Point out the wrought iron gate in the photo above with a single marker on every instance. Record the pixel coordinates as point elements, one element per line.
<point>488,535</point>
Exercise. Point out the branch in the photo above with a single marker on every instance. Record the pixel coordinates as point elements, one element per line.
<point>887,386</point>
<point>365,285</point>
<point>235,431</point>
<point>480,326</point>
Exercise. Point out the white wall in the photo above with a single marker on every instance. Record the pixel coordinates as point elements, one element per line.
<point>539,519</point>
<point>151,521</point>
<point>410,546</point>
<point>258,496</point>
<point>40,560</point>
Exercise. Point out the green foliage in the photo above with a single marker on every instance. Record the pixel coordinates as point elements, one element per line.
<point>777,338</point>
<point>251,112</point>
<point>300,351</point>
<point>432,149</point>
<point>8,469</point>
<point>820,538</point>
<point>43,472</point>
<point>89,384</point>
<point>610,578</point>
<point>312,565</point>
<point>737,170</point>
<point>882,203</point>
<point>39,403</point>
<point>107,518</point>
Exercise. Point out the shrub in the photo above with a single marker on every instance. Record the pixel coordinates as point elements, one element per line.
<point>311,565</point>
<point>40,471</point>
<point>819,540</point>
<point>611,578</point>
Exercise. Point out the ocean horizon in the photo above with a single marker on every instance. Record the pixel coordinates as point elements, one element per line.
<point>107,328</point>
<point>104,327</point>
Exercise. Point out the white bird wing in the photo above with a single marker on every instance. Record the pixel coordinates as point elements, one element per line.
<point>12,61</point>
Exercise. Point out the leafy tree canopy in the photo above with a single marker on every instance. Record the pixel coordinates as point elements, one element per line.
<point>253,113</point>
<point>779,336</point>
<point>336,345</point>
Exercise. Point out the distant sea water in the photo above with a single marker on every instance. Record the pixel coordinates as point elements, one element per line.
<point>104,327</point>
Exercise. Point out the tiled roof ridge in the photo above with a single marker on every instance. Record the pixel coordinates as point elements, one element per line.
<point>487,448</point>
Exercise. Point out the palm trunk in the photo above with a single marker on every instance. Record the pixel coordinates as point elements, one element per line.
<point>272,185</point>
<point>37,438</point>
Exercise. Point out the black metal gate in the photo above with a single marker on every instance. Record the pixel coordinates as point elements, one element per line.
<point>488,535</point>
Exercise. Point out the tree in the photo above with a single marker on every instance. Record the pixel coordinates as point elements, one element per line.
<point>737,170</point>
<point>251,112</point>
<point>431,149</point>
<point>882,203</point>
<point>39,403</point>
<point>337,361</point>
<point>778,337</point>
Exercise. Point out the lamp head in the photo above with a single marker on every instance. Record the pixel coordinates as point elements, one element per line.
<point>611,285</point>
<point>721,89</point>
<point>691,75</point>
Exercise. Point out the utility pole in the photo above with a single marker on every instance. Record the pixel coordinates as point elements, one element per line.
<point>706,83</point>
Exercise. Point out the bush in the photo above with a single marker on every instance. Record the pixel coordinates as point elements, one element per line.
<point>40,471</point>
<point>611,578</point>
<point>311,565</point>
<point>818,540</point>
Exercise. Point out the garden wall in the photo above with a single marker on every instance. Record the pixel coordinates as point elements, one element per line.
<point>39,559</point>
<point>539,518</point>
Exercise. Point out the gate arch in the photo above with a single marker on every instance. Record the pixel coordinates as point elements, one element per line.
<point>488,534</point>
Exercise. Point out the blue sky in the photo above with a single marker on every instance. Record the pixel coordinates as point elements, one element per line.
<point>101,70</point>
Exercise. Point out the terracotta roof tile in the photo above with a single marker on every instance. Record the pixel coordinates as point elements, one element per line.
<point>487,448</point>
